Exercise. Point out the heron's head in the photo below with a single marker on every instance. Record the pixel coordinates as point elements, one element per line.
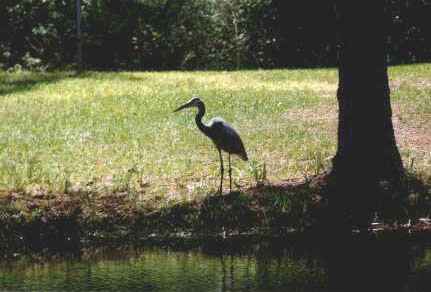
<point>194,102</point>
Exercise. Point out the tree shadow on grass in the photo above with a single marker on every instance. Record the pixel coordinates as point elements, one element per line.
<point>16,82</point>
<point>273,210</point>
<point>309,204</point>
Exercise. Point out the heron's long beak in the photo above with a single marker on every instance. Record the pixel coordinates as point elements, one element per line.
<point>183,107</point>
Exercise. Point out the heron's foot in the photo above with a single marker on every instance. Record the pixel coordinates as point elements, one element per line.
<point>234,194</point>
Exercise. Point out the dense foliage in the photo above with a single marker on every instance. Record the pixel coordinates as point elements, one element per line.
<point>194,34</point>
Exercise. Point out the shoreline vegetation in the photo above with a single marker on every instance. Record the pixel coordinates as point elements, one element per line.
<point>99,157</point>
<point>60,222</point>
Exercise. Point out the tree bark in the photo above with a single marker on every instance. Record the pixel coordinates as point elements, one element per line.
<point>367,153</point>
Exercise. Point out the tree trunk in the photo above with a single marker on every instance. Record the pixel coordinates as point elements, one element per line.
<point>367,153</point>
<point>78,35</point>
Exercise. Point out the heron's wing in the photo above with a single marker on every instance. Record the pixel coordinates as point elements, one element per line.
<point>226,138</point>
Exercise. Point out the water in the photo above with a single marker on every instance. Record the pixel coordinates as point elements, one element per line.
<point>245,265</point>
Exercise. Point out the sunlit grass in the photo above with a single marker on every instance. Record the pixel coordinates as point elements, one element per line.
<point>117,130</point>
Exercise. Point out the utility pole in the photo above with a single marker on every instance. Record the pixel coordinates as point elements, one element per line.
<point>78,35</point>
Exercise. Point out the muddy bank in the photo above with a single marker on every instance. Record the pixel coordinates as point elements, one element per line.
<point>36,221</point>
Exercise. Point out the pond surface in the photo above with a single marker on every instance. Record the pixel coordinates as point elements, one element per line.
<point>245,265</point>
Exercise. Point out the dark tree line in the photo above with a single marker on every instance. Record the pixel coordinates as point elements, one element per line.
<point>196,34</point>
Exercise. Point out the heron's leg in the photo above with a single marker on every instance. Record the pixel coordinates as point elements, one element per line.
<point>221,171</point>
<point>230,176</point>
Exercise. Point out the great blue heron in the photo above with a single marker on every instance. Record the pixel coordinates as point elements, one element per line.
<point>221,133</point>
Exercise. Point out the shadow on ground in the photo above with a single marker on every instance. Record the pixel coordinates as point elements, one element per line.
<point>32,222</point>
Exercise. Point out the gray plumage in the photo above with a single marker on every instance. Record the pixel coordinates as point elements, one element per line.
<point>226,138</point>
<point>221,133</point>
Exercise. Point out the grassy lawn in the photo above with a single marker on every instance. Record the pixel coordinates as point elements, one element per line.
<point>101,156</point>
<point>116,131</point>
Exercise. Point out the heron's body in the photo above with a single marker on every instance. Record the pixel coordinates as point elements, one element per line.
<point>221,133</point>
<point>226,138</point>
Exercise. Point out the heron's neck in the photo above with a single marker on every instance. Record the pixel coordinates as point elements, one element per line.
<point>201,112</point>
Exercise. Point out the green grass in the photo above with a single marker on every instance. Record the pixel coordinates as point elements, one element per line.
<point>116,131</point>
<point>101,156</point>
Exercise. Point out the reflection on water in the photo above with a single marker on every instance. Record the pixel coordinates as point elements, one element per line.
<point>351,264</point>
